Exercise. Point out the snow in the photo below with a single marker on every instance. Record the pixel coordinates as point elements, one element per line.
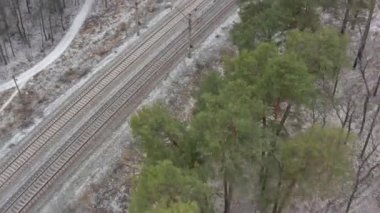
<point>55,54</point>
<point>58,50</point>
<point>4,150</point>
<point>99,165</point>
<point>80,55</point>
<point>78,22</point>
<point>161,92</point>
<point>100,66</point>
<point>10,99</point>
<point>19,136</point>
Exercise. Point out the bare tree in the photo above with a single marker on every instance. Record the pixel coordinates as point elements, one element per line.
<point>370,132</point>
<point>363,172</point>
<point>3,57</point>
<point>363,68</point>
<point>377,86</point>
<point>28,6</point>
<point>363,42</point>
<point>346,16</point>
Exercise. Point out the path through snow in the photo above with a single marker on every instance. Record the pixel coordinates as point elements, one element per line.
<point>65,42</point>
<point>18,137</point>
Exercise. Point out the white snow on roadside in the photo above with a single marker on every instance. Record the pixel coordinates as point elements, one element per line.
<point>59,101</point>
<point>56,53</point>
<point>58,50</point>
<point>115,53</point>
<point>101,64</point>
<point>65,42</point>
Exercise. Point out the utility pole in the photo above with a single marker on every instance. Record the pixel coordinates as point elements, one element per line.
<point>190,28</point>
<point>18,89</point>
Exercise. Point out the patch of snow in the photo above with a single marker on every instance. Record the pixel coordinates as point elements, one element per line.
<point>10,99</point>
<point>56,53</point>
<point>58,50</point>
<point>189,63</point>
<point>59,101</point>
<point>19,136</point>
<point>100,163</point>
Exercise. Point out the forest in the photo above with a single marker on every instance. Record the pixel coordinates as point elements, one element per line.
<point>19,20</point>
<point>280,126</point>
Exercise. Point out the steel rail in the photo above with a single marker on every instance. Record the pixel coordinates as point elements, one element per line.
<point>65,154</point>
<point>58,122</point>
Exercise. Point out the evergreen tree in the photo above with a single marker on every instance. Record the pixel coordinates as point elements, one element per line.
<point>164,188</point>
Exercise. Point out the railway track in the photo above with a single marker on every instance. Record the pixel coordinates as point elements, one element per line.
<point>130,95</point>
<point>12,165</point>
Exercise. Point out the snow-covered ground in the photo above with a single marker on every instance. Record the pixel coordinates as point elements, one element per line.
<point>104,181</point>
<point>27,55</point>
<point>108,184</point>
<point>50,58</point>
<point>56,53</point>
<point>105,33</point>
<point>351,88</point>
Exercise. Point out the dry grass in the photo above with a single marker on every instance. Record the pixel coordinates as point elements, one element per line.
<point>74,74</point>
<point>19,113</point>
<point>4,96</point>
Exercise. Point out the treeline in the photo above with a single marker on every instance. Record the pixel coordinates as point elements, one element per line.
<point>19,19</point>
<point>261,132</point>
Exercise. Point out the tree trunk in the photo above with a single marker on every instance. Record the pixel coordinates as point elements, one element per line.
<point>346,16</point>
<point>5,50</point>
<point>283,119</point>
<point>365,108</point>
<point>335,84</point>
<point>359,55</point>
<point>263,177</point>
<point>62,24</point>
<point>227,196</point>
<point>370,132</point>
<point>286,196</point>
<point>28,6</point>
<point>278,192</point>
<point>42,37</point>
<point>13,7</point>
<point>227,187</point>
<point>43,25</point>
<point>51,29</point>
<point>2,55</point>
<point>359,178</point>
<point>349,127</point>
<point>21,20</point>
<point>347,114</point>
<point>11,45</point>
<point>263,174</point>
<point>354,190</point>
<point>377,86</point>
